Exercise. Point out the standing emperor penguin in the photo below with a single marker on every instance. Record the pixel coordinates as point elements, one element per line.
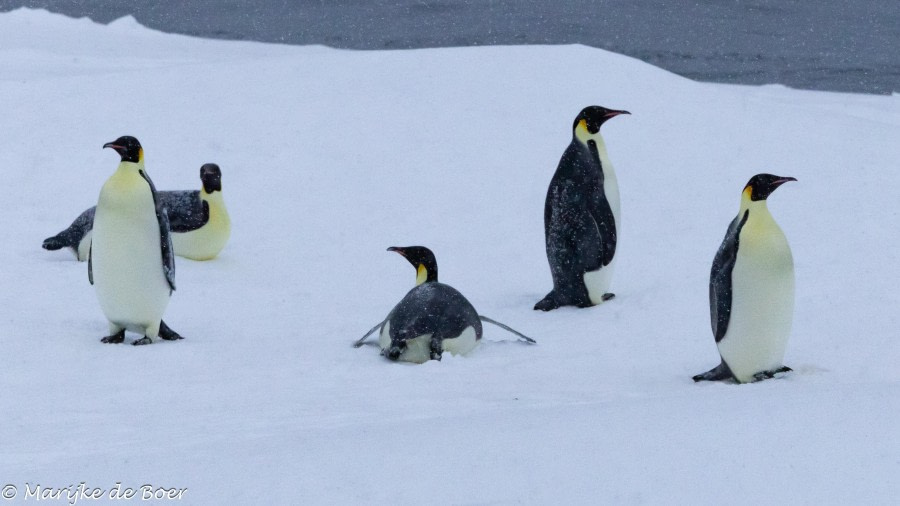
<point>131,263</point>
<point>198,221</point>
<point>432,318</point>
<point>581,217</point>
<point>751,290</point>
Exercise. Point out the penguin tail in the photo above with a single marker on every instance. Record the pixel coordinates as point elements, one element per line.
<point>717,373</point>
<point>54,243</point>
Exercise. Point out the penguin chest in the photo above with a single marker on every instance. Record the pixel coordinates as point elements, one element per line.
<point>207,241</point>
<point>126,254</point>
<point>762,303</point>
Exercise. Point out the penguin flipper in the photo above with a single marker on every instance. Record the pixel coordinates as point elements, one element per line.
<point>720,277</point>
<point>717,373</point>
<point>507,328</point>
<point>359,342</point>
<point>165,238</point>
<point>91,264</point>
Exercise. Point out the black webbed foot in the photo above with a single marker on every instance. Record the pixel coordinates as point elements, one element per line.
<point>717,373</point>
<point>437,348</point>
<point>116,338</point>
<point>764,375</point>
<point>143,341</point>
<point>165,332</point>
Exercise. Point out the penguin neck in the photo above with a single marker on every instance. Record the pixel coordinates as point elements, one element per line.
<point>759,210</point>
<point>130,168</point>
<point>425,275</point>
<point>586,139</point>
<point>214,197</point>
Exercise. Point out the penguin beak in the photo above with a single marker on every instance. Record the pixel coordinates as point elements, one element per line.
<point>781,181</point>
<point>395,249</point>
<point>116,147</point>
<point>612,114</point>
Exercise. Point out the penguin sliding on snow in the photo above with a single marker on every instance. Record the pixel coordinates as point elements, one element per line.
<point>751,290</point>
<point>198,219</point>
<point>431,319</point>
<point>581,217</point>
<point>130,262</point>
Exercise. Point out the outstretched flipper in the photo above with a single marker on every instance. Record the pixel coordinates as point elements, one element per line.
<point>165,332</point>
<point>359,342</point>
<point>522,337</point>
<point>718,373</point>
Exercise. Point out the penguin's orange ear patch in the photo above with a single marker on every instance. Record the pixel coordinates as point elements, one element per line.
<point>141,154</point>
<point>748,192</point>
<point>583,125</point>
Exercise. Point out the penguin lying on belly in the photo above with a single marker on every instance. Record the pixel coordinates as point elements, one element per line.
<point>431,319</point>
<point>198,220</point>
<point>751,290</point>
<point>581,217</point>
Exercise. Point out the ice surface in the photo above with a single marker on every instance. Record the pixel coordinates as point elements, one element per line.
<point>331,156</point>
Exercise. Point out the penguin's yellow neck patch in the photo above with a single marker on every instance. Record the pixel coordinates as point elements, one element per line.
<point>583,135</point>
<point>421,274</point>
<point>140,155</point>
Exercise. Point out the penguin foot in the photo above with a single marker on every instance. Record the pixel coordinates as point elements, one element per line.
<point>764,375</point>
<point>548,303</point>
<point>608,296</point>
<point>116,338</point>
<point>165,332</point>
<point>142,341</point>
<point>717,373</point>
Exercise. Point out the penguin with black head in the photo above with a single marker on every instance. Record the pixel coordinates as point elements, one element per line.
<point>131,262</point>
<point>432,318</point>
<point>198,221</point>
<point>581,217</point>
<point>751,290</point>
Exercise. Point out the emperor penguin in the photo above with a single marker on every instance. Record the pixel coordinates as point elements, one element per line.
<point>130,262</point>
<point>751,290</point>
<point>432,318</point>
<point>199,221</point>
<point>581,217</point>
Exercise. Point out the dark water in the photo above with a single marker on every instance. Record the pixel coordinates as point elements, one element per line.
<point>839,45</point>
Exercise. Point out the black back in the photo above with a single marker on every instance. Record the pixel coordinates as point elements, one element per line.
<point>579,227</point>
<point>432,308</point>
<point>720,285</point>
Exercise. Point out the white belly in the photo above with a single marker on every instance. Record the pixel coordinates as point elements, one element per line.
<point>84,246</point>
<point>598,282</point>
<point>762,307</point>
<point>418,350</point>
<point>207,241</point>
<point>126,261</point>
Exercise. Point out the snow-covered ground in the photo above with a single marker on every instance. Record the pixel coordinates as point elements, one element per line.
<point>329,157</point>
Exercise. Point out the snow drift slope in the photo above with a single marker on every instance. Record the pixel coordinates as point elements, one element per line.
<point>328,157</point>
